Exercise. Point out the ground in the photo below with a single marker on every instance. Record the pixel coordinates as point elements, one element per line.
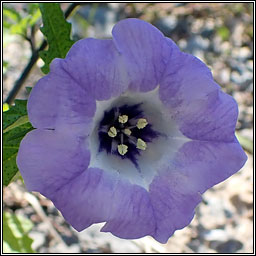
<point>221,35</point>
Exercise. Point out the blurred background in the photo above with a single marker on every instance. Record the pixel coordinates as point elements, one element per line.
<point>221,35</point>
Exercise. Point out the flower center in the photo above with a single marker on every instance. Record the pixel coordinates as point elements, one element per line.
<point>133,136</point>
<point>124,131</point>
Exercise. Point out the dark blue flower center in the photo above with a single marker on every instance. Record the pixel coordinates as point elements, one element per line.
<point>124,131</point>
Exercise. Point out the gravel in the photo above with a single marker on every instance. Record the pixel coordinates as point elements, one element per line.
<point>224,220</point>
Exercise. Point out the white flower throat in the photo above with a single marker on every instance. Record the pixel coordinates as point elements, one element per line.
<point>132,136</point>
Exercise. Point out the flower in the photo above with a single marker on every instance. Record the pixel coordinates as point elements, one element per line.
<point>129,131</point>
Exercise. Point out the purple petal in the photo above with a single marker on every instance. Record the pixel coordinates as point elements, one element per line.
<point>177,190</point>
<point>96,196</point>
<point>196,102</point>
<point>98,67</point>
<point>209,163</point>
<point>58,102</point>
<point>49,159</point>
<point>145,50</point>
<point>173,200</point>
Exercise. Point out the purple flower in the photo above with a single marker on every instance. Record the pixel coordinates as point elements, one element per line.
<point>131,132</point>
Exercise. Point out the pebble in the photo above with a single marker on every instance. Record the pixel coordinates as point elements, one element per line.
<point>59,248</point>
<point>167,24</point>
<point>215,235</point>
<point>225,75</point>
<point>242,53</point>
<point>94,239</point>
<point>230,246</point>
<point>39,239</point>
<point>197,44</point>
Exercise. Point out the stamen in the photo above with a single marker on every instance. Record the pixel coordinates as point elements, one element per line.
<point>122,132</point>
<point>141,144</point>
<point>122,138</point>
<point>132,140</point>
<point>123,119</point>
<point>131,127</point>
<point>122,149</point>
<point>127,132</point>
<point>114,145</point>
<point>142,123</point>
<point>112,132</point>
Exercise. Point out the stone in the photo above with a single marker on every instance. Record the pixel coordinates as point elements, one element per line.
<point>230,246</point>
<point>39,239</point>
<point>216,235</point>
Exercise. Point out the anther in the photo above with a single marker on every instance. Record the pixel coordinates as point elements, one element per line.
<point>127,132</point>
<point>123,119</point>
<point>142,123</point>
<point>112,132</point>
<point>141,144</point>
<point>122,149</point>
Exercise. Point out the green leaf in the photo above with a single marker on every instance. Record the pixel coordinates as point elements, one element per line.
<point>18,24</point>
<point>28,89</point>
<point>5,107</point>
<point>223,32</point>
<point>15,238</point>
<point>6,24</point>
<point>22,120</point>
<point>10,17</point>
<point>18,177</point>
<point>245,142</point>
<point>14,113</point>
<point>5,66</point>
<point>57,31</point>
<point>11,143</point>
<point>15,126</point>
<point>34,16</point>
<point>11,14</point>
<point>21,27</point>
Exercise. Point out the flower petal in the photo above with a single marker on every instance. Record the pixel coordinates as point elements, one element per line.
<point>196,102</point>
<point>209,163</point>
<point>197,166</point>
<point>58,102</point>
<point>173,200</point>
<point>145,50</point>
<point>49,159</point>
<point>96,196</point>
<point>98,67</point>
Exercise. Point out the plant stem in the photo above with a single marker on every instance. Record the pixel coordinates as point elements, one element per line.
<point>34,57</point>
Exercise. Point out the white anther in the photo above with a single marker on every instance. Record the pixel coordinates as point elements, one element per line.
<point>123,119</point>
<point>122,149</point>
<point>127,132</point>
<point>112,132</point>
<point>142,123</point>
<point>141,144</point>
